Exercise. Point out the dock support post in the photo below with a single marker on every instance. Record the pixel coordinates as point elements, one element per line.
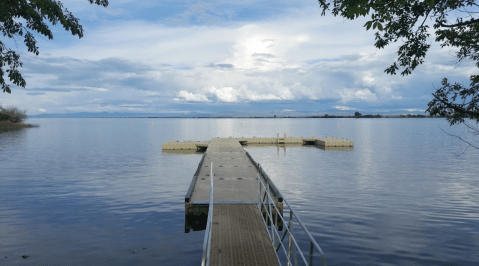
<point>310,262</point>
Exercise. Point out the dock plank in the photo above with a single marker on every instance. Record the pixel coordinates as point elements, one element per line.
<point>235,177</point>
<point>239,237</point>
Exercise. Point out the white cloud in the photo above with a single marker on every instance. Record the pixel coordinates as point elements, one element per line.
<point>355,95</point>
<point>263,48</point>
<point>342,108</point>
<point>192,97</point>
<point>414,110</point>
<point>244,94</point>
<point>292,56</point>
<point>225,94</point>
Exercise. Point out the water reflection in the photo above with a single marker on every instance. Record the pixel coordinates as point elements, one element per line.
<point>77,191</point>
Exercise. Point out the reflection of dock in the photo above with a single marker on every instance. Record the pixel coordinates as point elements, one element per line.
<point>233,198</point>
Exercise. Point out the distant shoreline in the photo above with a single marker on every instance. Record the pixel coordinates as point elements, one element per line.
<point>249,117</point>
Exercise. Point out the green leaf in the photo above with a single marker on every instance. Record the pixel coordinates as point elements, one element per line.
<point>368,25</point>
<point>380,27</point>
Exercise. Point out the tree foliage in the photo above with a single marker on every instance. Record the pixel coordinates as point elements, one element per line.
<point>454,23</point>
<point>19,20</point>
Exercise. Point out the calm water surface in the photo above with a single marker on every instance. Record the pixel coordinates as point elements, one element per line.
<point>101,191</point>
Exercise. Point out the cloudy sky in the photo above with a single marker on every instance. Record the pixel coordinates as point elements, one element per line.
<point>215,56</point>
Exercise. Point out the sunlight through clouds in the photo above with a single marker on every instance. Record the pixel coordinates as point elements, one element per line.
<point>213,56</point>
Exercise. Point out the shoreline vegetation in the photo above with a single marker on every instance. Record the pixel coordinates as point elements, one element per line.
<point>8,125</point>
<point>12,118</point>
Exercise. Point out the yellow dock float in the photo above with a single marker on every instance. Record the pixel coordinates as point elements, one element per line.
<point>185,145</point>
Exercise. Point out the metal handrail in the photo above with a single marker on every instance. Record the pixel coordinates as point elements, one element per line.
<point>268,203</point>
<point>205,261</point>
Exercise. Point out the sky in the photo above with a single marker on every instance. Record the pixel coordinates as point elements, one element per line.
<point>207,57</point>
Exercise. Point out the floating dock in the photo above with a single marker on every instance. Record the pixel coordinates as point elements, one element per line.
<point>244,227</point>
<point>238,234</point>
<point>318,141</point>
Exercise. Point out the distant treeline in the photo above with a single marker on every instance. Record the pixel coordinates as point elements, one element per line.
<point>359,115</point>
<point>302,116</point>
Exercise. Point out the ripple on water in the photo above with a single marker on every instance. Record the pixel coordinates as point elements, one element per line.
<point>77,191</point>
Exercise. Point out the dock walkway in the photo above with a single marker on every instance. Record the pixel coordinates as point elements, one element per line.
<point>234,174</point>
<point>239,236</point>
<point>242,228</point>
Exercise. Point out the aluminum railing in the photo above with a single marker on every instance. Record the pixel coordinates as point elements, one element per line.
<point>291,249</point>
<point>205,261</point>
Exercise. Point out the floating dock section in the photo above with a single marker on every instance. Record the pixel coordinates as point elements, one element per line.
<point>238,234</point>
<point>330,142</point>
<point>243,211</point>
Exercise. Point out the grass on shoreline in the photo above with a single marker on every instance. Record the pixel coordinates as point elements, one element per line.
<point>7,125</point>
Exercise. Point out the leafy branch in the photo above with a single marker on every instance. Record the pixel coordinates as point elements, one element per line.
<point>35,14</point>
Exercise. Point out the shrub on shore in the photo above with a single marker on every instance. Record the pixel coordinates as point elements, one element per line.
<point>12,114</point>
<point>7,125</point>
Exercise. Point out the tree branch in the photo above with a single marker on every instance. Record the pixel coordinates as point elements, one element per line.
<point>475,131</point>
<point>455,107</point>
<point>452,135</point>
<point>469,22</point>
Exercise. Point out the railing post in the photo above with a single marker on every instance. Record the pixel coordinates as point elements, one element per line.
<point>270,217</point>
<point>276,219</point>
<point>268,202</point>
<point>291,218</point>
<point>259,194</point>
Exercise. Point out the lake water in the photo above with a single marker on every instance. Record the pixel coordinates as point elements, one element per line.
<point>101,191</point>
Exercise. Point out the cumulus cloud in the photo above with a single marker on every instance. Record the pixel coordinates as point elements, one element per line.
<point>414,110</point>
<point>342,108</point>
<point>357,94</point>
<point>225,94</point>
<point>241,94</point>
<point>262,48</point>
<point>292,56</point>
<point>191,97</point>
